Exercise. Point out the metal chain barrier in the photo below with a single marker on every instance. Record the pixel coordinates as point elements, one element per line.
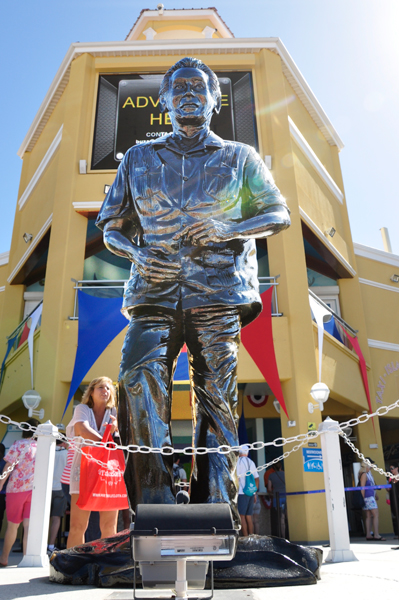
<point>302,439</point>
<point>276,460</point>
<point>366,460</point>
<point>8,470</point>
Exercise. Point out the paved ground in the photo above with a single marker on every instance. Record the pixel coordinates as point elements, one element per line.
<point>374,574</point>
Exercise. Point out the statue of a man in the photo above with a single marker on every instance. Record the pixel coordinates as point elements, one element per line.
<point>185,210</point>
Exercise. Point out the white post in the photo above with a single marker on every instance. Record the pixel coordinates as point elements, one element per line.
<point>36,551</point>
<point>181,580</point>
<point>335,494</point>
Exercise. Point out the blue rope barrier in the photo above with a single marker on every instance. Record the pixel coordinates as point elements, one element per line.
<point>348,489</point>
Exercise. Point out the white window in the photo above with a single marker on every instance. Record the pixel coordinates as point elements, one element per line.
<point>32,299</point>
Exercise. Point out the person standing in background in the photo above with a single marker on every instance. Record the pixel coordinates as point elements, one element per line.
<point>3,491</point>
<point>370,503</point>
<point>256,514</point>
<point>394,497</point>
<point>276,485</point>
<point>21,456</point>
<point>246,503</point>
<point>179,475</point>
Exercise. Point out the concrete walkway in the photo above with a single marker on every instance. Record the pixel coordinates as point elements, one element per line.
<point>375,574</point>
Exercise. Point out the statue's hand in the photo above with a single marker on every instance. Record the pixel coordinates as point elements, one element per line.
<point>154,268</point>
<point>207,231</point>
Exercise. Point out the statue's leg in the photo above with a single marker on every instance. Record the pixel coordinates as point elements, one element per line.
<point>213,336</point>
<point>151,346</point>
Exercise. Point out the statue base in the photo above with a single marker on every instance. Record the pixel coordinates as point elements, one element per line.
<point>260,561</point>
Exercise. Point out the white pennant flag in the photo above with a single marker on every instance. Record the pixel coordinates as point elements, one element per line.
<point>319,312</point>
<point>34,321</point>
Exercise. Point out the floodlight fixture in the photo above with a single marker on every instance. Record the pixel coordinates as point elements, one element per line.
<point>27,237</point>
<point>174,544</point>
<point>331,231</point>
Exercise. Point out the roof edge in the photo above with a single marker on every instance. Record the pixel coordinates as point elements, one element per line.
<point>4,258</point>
<point>159,46</point>
<point>375,254</point>
<point>178,14</point>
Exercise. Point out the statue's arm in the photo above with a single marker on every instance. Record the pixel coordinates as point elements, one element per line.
<point>211,230</point>
<point>119,221</point>
<point>149,263</point>
<point>264,211</point>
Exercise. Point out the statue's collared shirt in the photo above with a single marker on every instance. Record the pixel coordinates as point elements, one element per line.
<point>163,186</point>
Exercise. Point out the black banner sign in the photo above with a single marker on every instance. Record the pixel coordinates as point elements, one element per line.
<point>128,114</point>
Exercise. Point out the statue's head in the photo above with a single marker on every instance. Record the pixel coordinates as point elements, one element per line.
<point>190,92</point>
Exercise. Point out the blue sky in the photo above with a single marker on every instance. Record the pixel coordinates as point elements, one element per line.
<point>347,50</point>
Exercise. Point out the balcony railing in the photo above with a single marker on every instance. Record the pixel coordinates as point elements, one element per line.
<point>340,320</point>
<point>107,288</point>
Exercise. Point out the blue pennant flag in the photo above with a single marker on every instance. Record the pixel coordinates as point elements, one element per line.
<point>332,329</point>
<point>182,373</point>
<point>100,321</point>
<point>10,344</point>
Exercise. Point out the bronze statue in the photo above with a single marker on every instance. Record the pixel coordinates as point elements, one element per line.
<point>185,210</point>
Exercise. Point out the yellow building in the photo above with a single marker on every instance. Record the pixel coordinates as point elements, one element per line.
<point>70,155</point>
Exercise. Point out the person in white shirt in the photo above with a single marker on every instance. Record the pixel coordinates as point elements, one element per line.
<point>246,503</point>
<point>179,475</point>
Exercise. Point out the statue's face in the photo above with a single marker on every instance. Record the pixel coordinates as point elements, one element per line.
<point>189,98</point>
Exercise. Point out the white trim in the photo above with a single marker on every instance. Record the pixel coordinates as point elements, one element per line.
<point>325,290</point>
<point>382,286</point>
<point>33,296</point>
<point>314,161</point>
<point>182,48</point>
<point>179,15</point>
<point>325,241</point>
<point>383,345</point>
<point>87,206</point>
<point>379,255</point>
<point>41,168</point>
<point>3,288</point>
<point>4,258</point>
<point>31,248</point>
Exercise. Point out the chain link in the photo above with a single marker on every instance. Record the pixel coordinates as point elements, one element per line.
<point>366,460</point>
<point>302,438</point>
<point>8,470</point>
<point>275,460</point>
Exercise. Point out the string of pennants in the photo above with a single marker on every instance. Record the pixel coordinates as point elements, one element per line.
<point>103,315</point>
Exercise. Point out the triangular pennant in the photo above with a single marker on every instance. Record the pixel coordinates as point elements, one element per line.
<point>100,321</point>
<point>257,339</point>
<point>182,371</point>
<point>363,369</point>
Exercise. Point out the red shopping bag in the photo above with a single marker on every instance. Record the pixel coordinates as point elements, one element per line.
<point>102,487</point>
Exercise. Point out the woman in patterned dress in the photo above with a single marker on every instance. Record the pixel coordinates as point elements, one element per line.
<point>19,489</point>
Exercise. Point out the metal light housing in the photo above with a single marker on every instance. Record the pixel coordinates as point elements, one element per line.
<point>320,393</point>
<point>173,544</point>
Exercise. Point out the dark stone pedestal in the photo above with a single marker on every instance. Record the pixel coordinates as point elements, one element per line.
<point>260,561</point>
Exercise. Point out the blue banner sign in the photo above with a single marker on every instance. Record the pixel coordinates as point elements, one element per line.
<point>312,460</point>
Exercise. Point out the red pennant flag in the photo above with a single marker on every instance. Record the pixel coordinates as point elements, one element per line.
<point>24,336</point>
<point>257,339</point>
<point>363,369</point>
